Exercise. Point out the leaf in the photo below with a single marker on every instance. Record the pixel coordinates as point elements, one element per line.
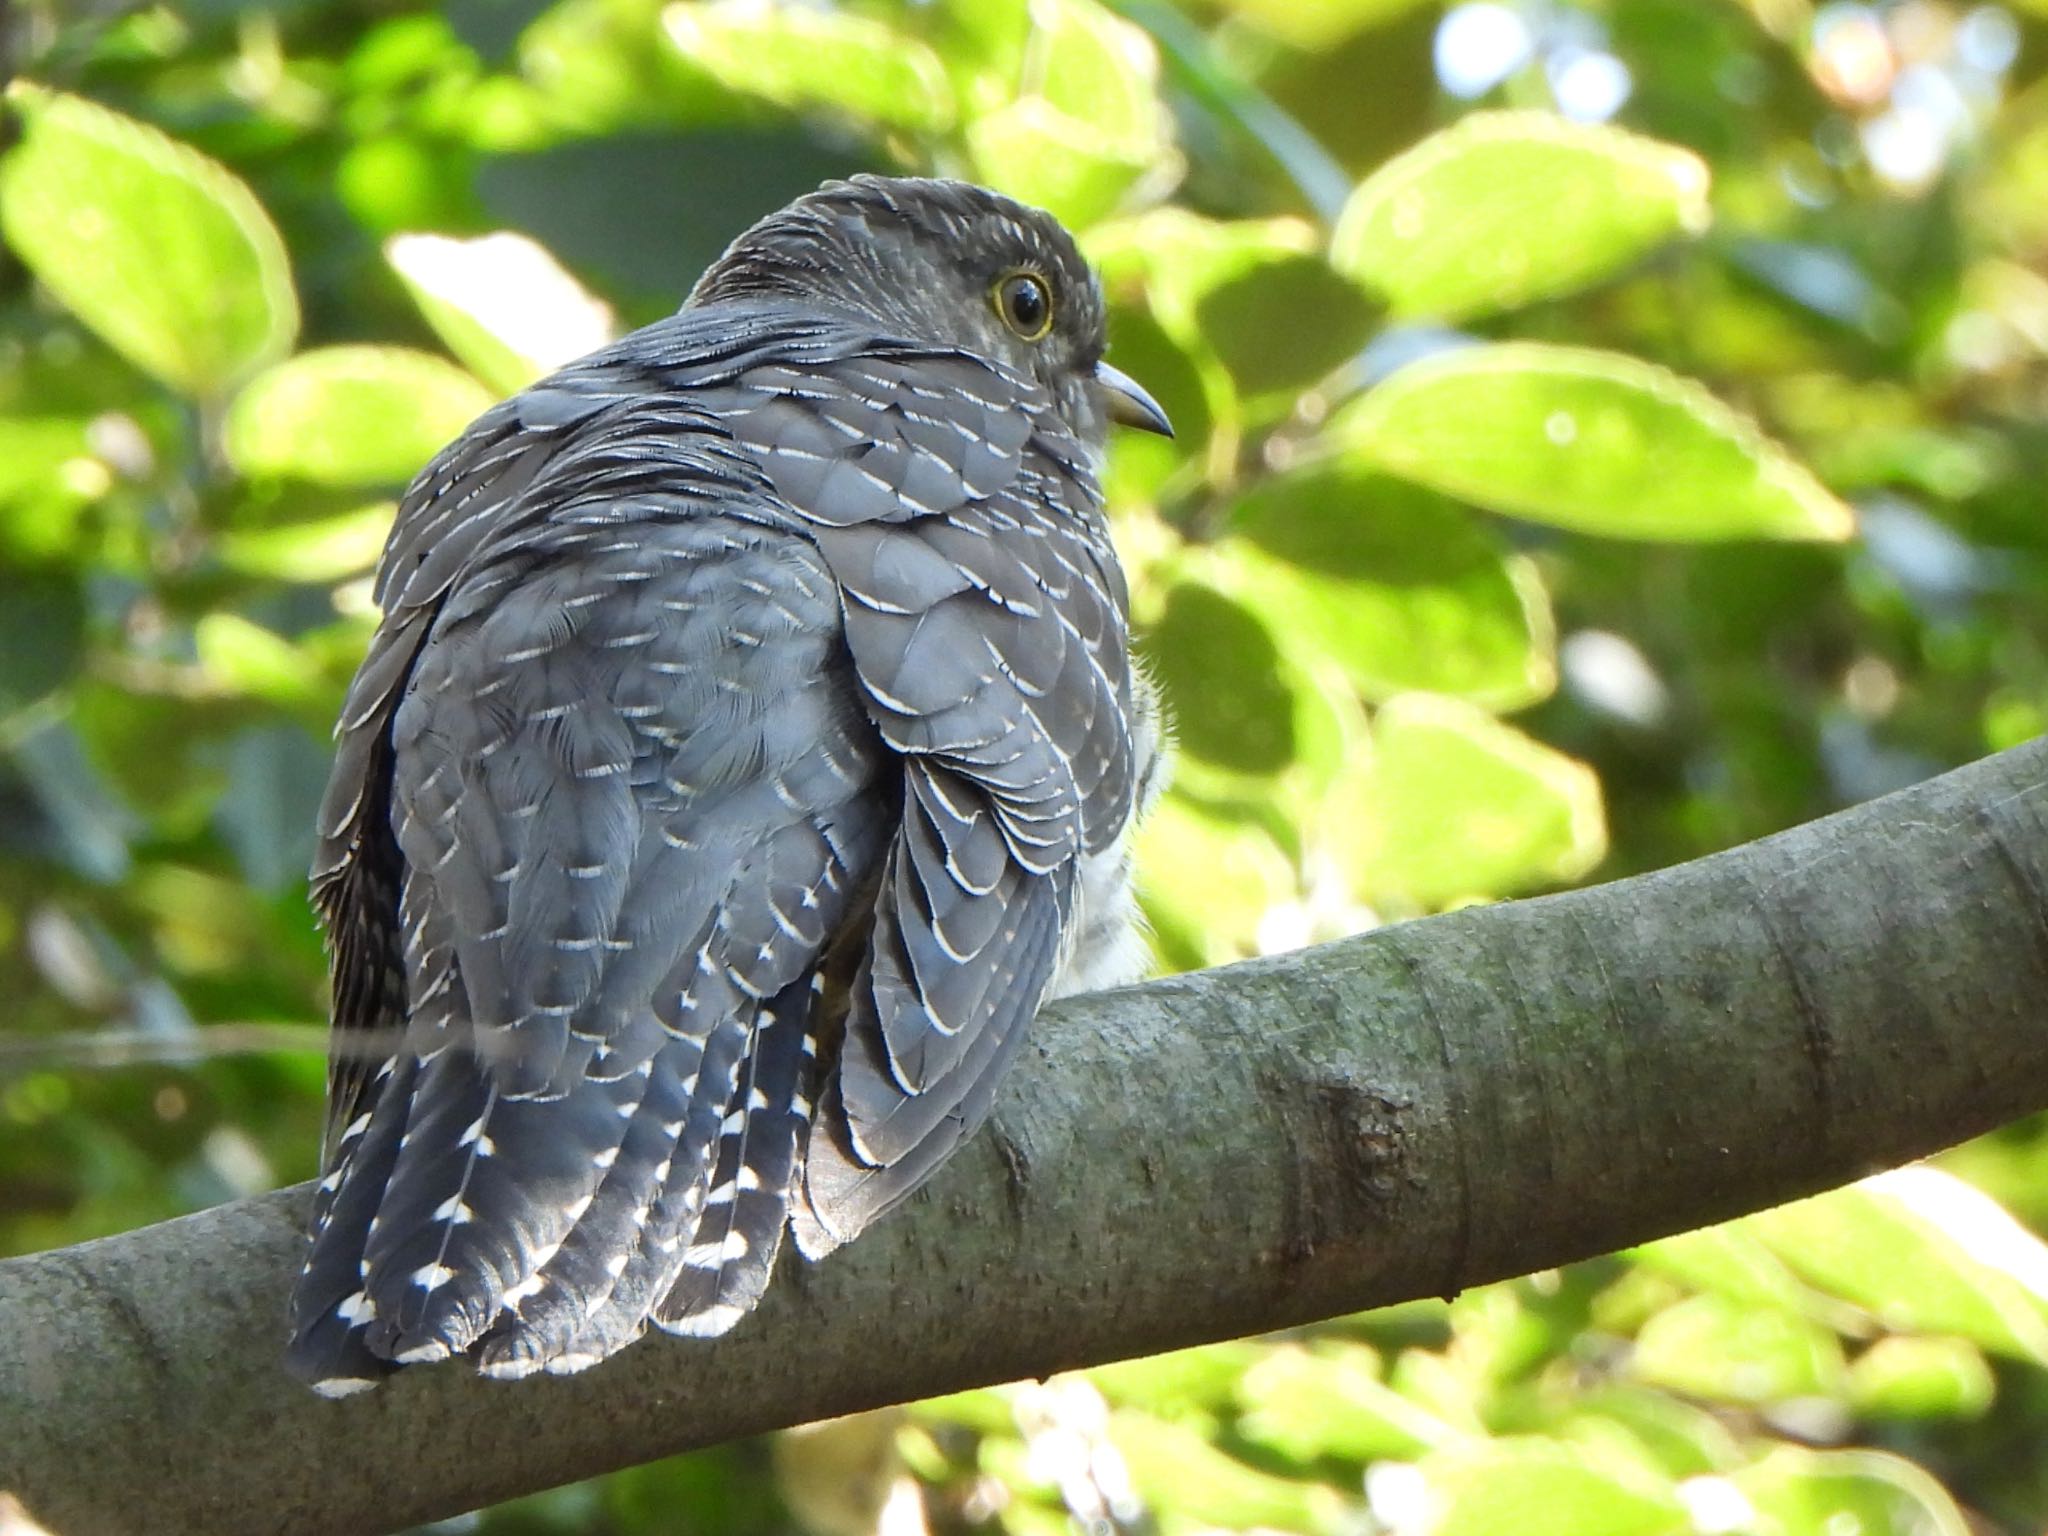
<point>1039,155</point>
<point>1188,1480</point>
<point>1506,207</point>
<point>351,415</point>
<point>1239,290</point>
<point>1729,1261</point>
<point>1204,1378</point>
<point>501,303</point>
<point>1921,1252</point>
<point>1456,805</point>
<point>1307,1405</point>
<point>1402,588</point>
<point>800,57</point>
<point>1219,669</point>
<point>1798,1492</point>
<point>47,473</point>
<point>1088,123</point>
<point>161,251</point>
<point>320,550</point>
<point>247,658</point>
<point>1734,1352</point>
<point>1209,879</point>
<point>42,635</point>
<point>1909,1378</point>
<point>1587,440</point>
<point>1316,25</point>
<point>1551,1489</point>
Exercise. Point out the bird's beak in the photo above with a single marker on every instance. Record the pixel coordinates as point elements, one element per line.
<point>1128,402</point>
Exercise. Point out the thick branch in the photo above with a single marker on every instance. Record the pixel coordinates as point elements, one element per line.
<point>1399,1115</point>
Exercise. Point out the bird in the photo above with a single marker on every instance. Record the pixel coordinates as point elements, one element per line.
<point>749,745</point>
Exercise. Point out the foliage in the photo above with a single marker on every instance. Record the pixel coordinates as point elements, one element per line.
<point>1552,499</point>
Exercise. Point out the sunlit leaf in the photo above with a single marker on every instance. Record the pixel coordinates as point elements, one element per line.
<point>1730,1260</point>
<point>1209,880</point>
<point>1728,1351</point>
<point>1911,1378</point>
<point>247,658</point>
<point>47,473</point>
<point>1551,1489</point>
<point>1306,1405</point>
<point>1828,1493</point>
<point>1505,207</point>
<point>1587,440</point>
<point>160,250</point>
<point>1087,123</point>
<point>1319,24</point>
<point>1402,588</point>
<point>799,56</point>
<point>1458,805</point>
<point>1038,154</point>
<point>501,303</point>
<point>1188,1480</point>
<point>1185,1378</point>
<point>320,550</point>
<point>1932,1265</point>
<point>351,415</point>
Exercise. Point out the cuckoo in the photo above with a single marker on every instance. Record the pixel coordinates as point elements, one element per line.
<point>749,746</point>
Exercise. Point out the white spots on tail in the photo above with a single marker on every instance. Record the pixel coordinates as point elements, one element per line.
<point>343,1386</point>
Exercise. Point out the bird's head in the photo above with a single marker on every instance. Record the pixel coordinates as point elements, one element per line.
<point>948,263</point>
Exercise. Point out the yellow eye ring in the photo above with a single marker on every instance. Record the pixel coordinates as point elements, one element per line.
<point>1024,301</point>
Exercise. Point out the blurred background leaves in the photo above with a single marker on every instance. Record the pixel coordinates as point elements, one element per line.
<point>1609,430</point>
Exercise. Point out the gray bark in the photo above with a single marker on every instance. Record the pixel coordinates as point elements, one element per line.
<point>1404,1114</point>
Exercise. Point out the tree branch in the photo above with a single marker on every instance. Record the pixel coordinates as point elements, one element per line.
<point>1403,1114</point>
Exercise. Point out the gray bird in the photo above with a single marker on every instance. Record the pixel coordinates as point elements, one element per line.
<point>749,747</point>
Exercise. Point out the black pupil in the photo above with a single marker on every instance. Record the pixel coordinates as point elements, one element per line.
<point>1025,300</point>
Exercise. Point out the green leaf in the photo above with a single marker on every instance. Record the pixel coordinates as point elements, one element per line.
<point>47,473</point>
<point>1169,1384</point>
<point>1219,669</point>
<point>1401,587</point>
<point>1536,1487</point>
<point>246,658</point>
<point>161,251</point>
<point>1909,1378</point>
<point>501,303</point>
<point>1209,879</point>
<point>42,635</point>
<point>1306,1405</point>
<point>1239,291</point>
<point>320,550</point>
<point>800,57</point>
<point>1922,1252</point>
<point>1735,1352</point>
<point>1457,805</point>
<point>1506,207</point>
<point>1087,124</point>
<point>1587,440</point>
<point>1316,25</point>
<point>1188,1481</point>
<point>1039,155</point>
<point>351,415</point>
<point>1798,1492</point>
<point>1730,1261</point>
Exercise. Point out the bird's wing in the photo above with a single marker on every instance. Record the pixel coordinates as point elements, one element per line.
<point>986,618</point>
<point>609,752</point>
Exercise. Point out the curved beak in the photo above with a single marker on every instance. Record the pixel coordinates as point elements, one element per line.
<point>1128,403</point>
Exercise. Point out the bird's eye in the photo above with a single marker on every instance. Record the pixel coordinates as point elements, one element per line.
<point>1025,303</point>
